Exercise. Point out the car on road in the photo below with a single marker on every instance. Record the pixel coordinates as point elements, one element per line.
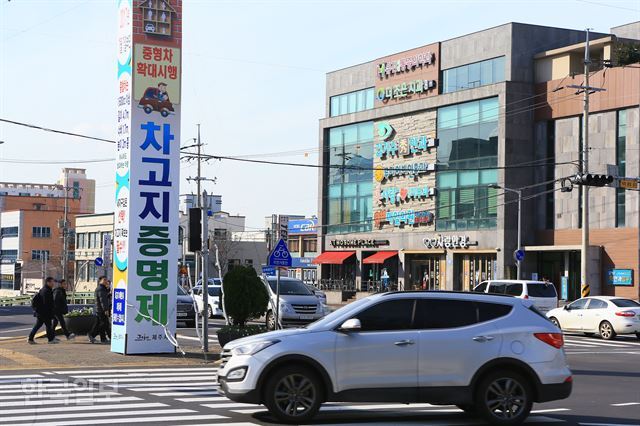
<point>215,310</point>
<point>299,306</point>
<point>184,308</point>
<point>607,316</point>
<point>490,355</point>
<point>543,294</point>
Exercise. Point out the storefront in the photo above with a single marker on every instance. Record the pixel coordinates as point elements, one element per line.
<point>471,268</point>
<point>340,268</point>
<point>425,270</point>
<point>379,271</point>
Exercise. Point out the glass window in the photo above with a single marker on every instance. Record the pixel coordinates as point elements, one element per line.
<point>310,245</point>
<point>473,75</point>
<point>497,288</point>
<point>513,289</point>
<point>498,69</point>
<point>481,288</point>
<point>9,231</point>
<point>462,78</point>
<point>541,290</point>
<point>468,178</point>
<point>41,232</point>
<point>597,304</point>
<point>625,303</point>
<point>8,255</point>
<point>351,102</point>
<point>578,304</point>
<point>489,109</point>
<point>290,287</point>
<point>468,113</point>
<point>387,316</point>
<point>621,146</point>
<point>444,313</point>
<point>491,311</point>
<point>294,245</point>
<point>448,117</point>
<point>486,72</point>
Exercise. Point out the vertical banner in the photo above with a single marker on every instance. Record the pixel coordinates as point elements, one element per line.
<point>145,249</point>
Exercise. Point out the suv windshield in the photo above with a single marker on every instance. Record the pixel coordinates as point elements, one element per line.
<point>625,303</point>
<point>291,287</point>
<point>541,290</point>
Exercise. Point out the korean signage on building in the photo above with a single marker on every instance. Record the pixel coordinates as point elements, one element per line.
<point>449,242</point>
<point>623,277</point>
<point>147,179</point>
<point>302,226</point>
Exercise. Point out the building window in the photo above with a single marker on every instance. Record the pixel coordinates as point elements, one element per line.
<point>92,272</point>
<point>40,255</point>
<point>621,161</point>
<point>8,256</point>
<point>349,192</point>
<point>81,241</point>
<point>81,270</point>
<point>468,135</point>
<point>9,231</point>
<point>550,159</point>
<point>310,245</point>
<point>248,263</point>
<point>473,75</point>
<point>220,234</point>
<point>294,245</point>
<point>41,232</point>
<point>76,190</point>
<point>94,240</point>
<point>233,263</point>
<point>24,194</point>
<point>352,102</point>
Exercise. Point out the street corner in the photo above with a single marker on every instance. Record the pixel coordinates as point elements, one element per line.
<point>20,355</point>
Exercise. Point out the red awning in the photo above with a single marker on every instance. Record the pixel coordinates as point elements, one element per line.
<point>380,257</point>
<point>333,257</point>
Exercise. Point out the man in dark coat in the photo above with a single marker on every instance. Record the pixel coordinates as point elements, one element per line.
<point>42,305</point>
<point>103,310</point>
<point>60,308</point>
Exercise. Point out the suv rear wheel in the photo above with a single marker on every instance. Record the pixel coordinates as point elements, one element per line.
<point>504,398</point>
<point>293,394</point>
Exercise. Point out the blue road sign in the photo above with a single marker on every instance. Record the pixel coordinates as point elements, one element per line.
<point>268,270</point>
<point>280,255</point>
<point>518,255</point>
<point>99,261</point>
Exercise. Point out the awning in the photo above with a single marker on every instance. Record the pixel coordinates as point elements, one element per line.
<point>380,257</point>
<point>333,257</point>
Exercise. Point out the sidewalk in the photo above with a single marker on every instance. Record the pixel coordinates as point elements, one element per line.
<point>19,355</point>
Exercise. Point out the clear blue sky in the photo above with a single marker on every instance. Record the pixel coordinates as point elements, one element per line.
<point>253,76</point>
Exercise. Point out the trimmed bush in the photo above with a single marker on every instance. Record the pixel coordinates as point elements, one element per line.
<point>245,295</point>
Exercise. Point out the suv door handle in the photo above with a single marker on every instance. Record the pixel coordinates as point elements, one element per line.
<point>483,339</point>
<point>404,342</point>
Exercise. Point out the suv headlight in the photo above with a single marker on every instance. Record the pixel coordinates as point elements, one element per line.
<point>285,307</point>
<point>253,347</point>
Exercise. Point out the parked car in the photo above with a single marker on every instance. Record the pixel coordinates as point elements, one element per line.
<point>488,354</point>
<point>299,306</point>
<point>606,315</point>
<point>184,308</point>
<point>215,309</point>
<point>543,294</point>
<point>319,293</point>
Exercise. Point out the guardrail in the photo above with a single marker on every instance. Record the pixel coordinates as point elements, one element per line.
<point>78,298</point>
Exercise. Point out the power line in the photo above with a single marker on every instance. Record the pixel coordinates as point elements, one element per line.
<point>20,161</point>
<point>62,132</point>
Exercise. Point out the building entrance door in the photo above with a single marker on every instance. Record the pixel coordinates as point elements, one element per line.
<point>425,271</point>
<point>471,269</point>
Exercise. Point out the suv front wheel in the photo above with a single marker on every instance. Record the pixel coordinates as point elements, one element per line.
<point>504,398</point>
<point>293,394</point>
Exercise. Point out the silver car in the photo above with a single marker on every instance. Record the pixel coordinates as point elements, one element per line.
<point>299,306</point>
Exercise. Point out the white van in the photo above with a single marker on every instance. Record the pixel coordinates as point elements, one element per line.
<point>543,294</point>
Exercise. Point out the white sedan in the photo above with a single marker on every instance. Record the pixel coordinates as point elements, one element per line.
<point>605,315</point>
<point>215,310</point>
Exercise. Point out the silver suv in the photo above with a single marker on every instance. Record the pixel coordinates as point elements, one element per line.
<point>299,305</point>
<point>491,355</point>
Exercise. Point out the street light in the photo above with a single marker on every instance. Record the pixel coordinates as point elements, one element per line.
<point>519,192</point>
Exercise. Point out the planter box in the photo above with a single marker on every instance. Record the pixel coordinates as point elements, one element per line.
<point>80,324</point>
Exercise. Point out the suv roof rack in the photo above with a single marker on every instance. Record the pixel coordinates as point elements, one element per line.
<point>444,292</point>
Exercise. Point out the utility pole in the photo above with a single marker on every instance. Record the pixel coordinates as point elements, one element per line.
<point>205,275</point>
<point>65,227</point>
<point>199,205</point>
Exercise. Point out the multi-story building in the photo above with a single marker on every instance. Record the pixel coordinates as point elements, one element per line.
<point>32,229</point>
<point>93,240</point>
<point>418,146</point>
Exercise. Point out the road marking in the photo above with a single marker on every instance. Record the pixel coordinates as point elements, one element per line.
<point>605,353</point>
<point>136,370</point>
<point>613,345</point>
<point>208,399</point>
<point>164,385</point>
<point>67,401</point>
<point>550,410</point>
<point>55,395</point>
<point>231,405</point>
<point>17,329</point>
<point>566,343</point>
<point>87,408</point>
<point>167,375</point>
<point>140,420</point>
<point>33,383</point>
<point>174,388</point>
<point>182,336</point>
<point>154,379</point>
<point>186,393</point>
<point>625,404</point>
<point>38,417</point>
<point>604,424</point>
<point>27,388</point>
<point>23,376</point>
<point>22,380</point>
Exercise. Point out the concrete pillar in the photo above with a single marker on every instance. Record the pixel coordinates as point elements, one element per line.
<point>401,270</point>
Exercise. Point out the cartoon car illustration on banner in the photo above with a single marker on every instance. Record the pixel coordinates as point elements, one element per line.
<point>157,99</point>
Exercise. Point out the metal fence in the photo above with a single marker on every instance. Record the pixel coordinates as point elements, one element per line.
<point>78,298</point>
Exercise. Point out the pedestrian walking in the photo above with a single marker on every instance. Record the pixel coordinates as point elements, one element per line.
<point>103,309</point>
<point>60,308</point>
<point>42,304</point>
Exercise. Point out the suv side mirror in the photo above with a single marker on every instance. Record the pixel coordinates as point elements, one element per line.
<point>352,324</point>
<point>567,308</point>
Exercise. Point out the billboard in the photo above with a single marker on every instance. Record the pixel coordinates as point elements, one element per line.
<point>145,240</point>
<point>302,226</point>
<point>621,277</point>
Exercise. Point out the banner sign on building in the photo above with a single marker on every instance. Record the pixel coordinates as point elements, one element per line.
<point>145,240</point>
<point>303,226</point>
<point>621,277</point>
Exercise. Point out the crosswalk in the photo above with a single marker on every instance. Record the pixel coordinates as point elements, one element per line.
<point>179,396</point>
<point>579,343</point>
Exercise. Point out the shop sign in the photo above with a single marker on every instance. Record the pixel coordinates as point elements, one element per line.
<point>621,277</point>
<point>302,226</point>
<point>405,89</point>
<point>402,217</point>
<point>386,69</point>
<point>358,243</point>
<point>411,170</point>
<point>405,147</point>
<point>396,195</point>
<point>449,241</point>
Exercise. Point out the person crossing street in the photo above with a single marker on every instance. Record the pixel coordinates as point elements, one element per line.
<point>60,308</point>
<point>42,304</point>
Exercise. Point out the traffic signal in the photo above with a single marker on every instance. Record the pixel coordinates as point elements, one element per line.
<point>592,180</point>
<point>195,229</point>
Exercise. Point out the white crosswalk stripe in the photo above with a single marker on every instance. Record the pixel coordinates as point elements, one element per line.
<point>577,343</point>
